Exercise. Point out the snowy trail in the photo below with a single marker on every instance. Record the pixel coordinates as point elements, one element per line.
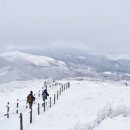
<point>80,104</point>
<point>20,90</point>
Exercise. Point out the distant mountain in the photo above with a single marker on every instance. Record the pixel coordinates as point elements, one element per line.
<point>23,66</point>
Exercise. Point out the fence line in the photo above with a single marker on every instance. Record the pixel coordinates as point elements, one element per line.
<point>59,92</point>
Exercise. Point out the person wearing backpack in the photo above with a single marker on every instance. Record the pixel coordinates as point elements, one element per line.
<point>44,95</point>
<point>45,85</point>
<point>30,99</point>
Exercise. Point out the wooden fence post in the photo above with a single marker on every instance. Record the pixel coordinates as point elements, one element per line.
<point>21,121</point>
<point>31,116</point>
<point>66,86</point>
<point>54,98</point>
<point>35,99</point>
<point>60,91</point>
<point>7,110</point>
<point>62,87</point>
<point>46,87</point>
<point>57,95</point>
<point>38,109</point>
<point>17,105</point>
<point>44,105</point>
<point>39,94</point>
<point>50,101</point>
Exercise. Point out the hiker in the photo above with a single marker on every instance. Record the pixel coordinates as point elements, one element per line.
<point>45,85</point>
<point>30,99</point>
<point>44,95</point>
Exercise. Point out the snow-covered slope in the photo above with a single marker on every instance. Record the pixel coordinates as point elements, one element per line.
<point>99,63</point>
<point>89,104</point>
<point>94,65</point>
<point>24,58</point>
<point>23,66</point>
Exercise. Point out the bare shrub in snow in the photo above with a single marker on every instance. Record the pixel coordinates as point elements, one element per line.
<point>109,111</point>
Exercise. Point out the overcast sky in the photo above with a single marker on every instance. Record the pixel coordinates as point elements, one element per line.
<point>101,25</point>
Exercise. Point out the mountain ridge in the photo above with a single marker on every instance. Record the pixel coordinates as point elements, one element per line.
<point>17,65</point>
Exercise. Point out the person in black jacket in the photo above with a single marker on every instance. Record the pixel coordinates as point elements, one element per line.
<point>30,99</point>
<point>44,95</point>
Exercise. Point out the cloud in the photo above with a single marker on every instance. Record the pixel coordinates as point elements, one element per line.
<point>77,24</point>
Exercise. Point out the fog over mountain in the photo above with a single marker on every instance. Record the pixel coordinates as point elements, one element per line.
<point>18,65</point>
<point>102,25</point>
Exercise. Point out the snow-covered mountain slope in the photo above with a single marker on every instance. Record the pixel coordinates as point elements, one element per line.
<point>23,66</point>
<point>94,65</point>
<point>97,62</point>
<point>24,58</point>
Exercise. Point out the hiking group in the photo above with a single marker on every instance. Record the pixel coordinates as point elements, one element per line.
<point>31,96</point>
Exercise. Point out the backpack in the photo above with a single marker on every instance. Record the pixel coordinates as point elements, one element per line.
<point>30,98</point>
<point>44,94</point>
